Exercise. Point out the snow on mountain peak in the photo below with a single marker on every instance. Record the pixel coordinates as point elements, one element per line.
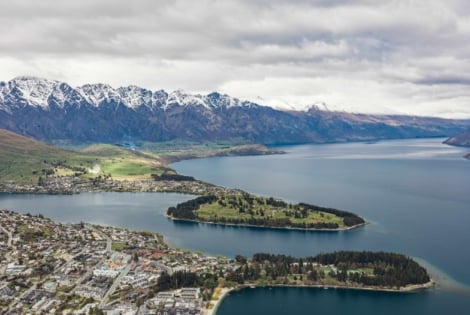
<point>34,91</point>
<point>134,96</point>
<point>181,98</point>
<point>97,93</point>
<point>39,92</point>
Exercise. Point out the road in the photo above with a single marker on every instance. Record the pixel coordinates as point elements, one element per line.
<point>164,268</point>
<point>109,242</point>
<point>109,251</point>
<point>116,283</point>
<point>10,236</point>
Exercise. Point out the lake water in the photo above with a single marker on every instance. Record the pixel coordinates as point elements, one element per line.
<point>414,193</point>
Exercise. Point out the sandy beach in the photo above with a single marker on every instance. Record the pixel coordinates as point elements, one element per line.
<point>217,302</point>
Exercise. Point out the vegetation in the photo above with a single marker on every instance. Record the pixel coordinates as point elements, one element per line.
<point>172,176</point>
<point>261,211</point>
<point>186,210</point>
<point>177,150</point>
<point>120,246</point>
<point>26,161</point>
<point>180,279</point>
<point>370,269</point>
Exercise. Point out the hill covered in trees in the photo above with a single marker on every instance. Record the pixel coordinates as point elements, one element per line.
<point>246,209</point>
<point>344,268</point>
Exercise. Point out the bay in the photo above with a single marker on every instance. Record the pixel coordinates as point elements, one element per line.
<point>414,194</point>
<point>306,301</point>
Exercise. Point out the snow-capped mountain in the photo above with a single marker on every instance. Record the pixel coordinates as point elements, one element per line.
<point>53,110</point>
<point>33,91</point>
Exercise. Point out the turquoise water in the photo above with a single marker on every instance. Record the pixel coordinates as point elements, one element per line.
<point>415,194</point>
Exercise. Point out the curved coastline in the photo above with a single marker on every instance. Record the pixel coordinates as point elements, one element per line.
<point>269,227</point>
<point>408,289</point>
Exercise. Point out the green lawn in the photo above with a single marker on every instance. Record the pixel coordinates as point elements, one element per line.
<point>238,208</point>
<point>23,161</point>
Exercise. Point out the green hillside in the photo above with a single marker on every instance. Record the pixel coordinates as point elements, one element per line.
<point>24,160</point>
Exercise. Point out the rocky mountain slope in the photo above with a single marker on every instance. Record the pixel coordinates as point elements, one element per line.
<point>52,110</point>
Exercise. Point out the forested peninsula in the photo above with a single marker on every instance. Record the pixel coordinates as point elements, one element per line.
<point>249,210</point>
<point>349,269</point>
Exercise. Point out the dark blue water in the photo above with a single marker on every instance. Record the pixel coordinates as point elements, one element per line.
<point>138,211</point>
<point>306,301</point>
<point>414,193</point>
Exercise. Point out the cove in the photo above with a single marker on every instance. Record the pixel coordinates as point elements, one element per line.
<point>413,193</point>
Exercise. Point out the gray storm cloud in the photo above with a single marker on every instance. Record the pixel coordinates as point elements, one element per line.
<point>372,56</point>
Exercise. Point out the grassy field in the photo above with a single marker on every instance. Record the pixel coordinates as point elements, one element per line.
<point>238,207</point>
<point>173,151</point>
<point>124,164</point>
<point>23,160</point>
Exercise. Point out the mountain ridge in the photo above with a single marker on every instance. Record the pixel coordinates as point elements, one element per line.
<point>37,91</point>
<point>51,110</point>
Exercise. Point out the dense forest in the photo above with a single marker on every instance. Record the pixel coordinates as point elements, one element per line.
<point>172,177</point>
<point>258,211</point>
<point>185,210</point>
<point>350,219</point>
<point>376,269</point>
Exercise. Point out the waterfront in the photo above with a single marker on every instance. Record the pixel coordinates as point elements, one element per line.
<point>414,193</point>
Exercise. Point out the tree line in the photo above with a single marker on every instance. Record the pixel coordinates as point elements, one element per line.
<point>388,269</point>
<point>172,177</point>
<point>185,210</point>
<point>349,218</point>
<point>181,279</point>
<point>251,205</point>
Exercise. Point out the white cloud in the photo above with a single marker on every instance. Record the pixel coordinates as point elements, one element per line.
<point>389,56</point>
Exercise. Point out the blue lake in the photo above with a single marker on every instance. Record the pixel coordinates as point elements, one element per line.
<point>415,194</point>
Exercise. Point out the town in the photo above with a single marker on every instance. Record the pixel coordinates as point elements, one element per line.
<point>48,267</point>
<point>76,185</point>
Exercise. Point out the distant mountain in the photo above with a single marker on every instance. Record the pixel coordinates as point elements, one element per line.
<point>462,139</point>
<point>52,110</point>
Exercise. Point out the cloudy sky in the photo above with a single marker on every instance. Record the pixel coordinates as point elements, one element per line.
<point>409,56</point>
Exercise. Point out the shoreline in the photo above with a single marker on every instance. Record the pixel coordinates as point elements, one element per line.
<point>237,150</point>
<point>223,293</point>
<point>270,227</point>
<point>408,289</point>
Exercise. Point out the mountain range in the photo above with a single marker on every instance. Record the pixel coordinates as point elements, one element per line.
<point>50,110</point>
